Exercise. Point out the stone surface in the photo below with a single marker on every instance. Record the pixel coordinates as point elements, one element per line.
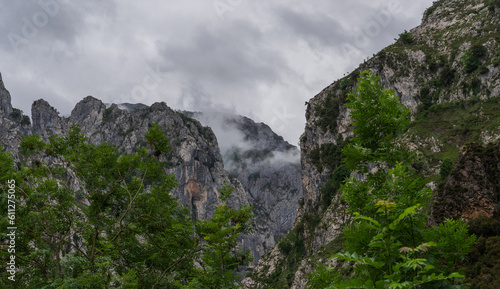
<point>266,174</point>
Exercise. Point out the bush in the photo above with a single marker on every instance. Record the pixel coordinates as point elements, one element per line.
<point>429,11</point>
<point>447,75</point>
<point>406,38</point>
<point>425,97</point>
<point>346,82</point>
<point>445,168</point>
<point>472,58</point>
<point>26,120</point>
<point>16,113</point>
<point>492,4</point>
<point>285,247</point>
<point>331,187</point>
<point>453,242</point>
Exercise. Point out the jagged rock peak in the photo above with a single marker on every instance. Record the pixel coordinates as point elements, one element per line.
<point>46,119</point>
<point>160,106</point>
<point>5,100</point>
<point>89,111</point>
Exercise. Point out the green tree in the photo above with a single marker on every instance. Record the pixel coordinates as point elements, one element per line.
<point>90,217</point>
<point>445,168</point>
<point>386,238</point>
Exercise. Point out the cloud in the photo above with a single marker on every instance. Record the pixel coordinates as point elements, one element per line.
<point>315,29</point>
<point>262,59</point>
<point>229,57</point>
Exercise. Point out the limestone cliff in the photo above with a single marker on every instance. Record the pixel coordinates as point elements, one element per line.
<point>473,187</point>
<point>447,71</point>
<point>264,176</point>
<point>269,170</point>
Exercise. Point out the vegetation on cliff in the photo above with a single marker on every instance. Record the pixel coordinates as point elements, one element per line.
<point>387,240</point>
<point>88,216</point>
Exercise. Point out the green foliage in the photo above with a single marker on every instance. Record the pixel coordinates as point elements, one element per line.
<point>445,168</point>
<point>378,119</point>
<point>328,112</point>
<point>483,264</point>
<point>492,4</point>
<point>453,243</point>
<point>472,58</point>
<point>429,11</point>
<point>328,155</point>
<point>323,277</point>
<point>16,113</point>
<point>346,83</point>
<point>391,265</point>
<point>107,114</point>
<point>329,190</point>
<point>117,226</point>
<point>221,256</point>
<point>455,124</point>
<point>406,38</point>
<point>446,76</point>
<point>26,120</point>
<point>386,239</point>
<point>157,140</point>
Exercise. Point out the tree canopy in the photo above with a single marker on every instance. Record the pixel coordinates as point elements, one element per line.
<point>88,216</point>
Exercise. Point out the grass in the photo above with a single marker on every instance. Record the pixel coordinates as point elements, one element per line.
<point>456,124</point>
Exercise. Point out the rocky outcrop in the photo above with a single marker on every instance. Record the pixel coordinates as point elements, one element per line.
<point>473,186</point>
<point>267,167</point>
<point>266,175</point>
<point>46,120</point>
<point>5,104</point>
<point>13,124</point>
<point>451,58</point>
<point>195,159</point>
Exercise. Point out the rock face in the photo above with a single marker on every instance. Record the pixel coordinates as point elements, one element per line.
<point>450,59</point>
<point>265,174</point>
<point>267,167</point>
<point>13,125</point>
<point>5,104</point>
<point>195,157</point>
<point>473,187</point>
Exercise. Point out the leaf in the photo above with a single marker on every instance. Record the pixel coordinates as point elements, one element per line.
<point>360,217</point>
<point>407,211</point>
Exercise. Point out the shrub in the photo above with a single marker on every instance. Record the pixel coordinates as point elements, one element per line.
<point>445,168</point>
<point>472,58</point>
<point>285,247</point>
<point>26,120</point>
<point>429,11</point>
<point>447,75</point>
<point>346,82</point>
<point>453,242</point>
<point>492,4</point>
<point>406,38</point>
<point>330,189</point>
<point>16,113</point>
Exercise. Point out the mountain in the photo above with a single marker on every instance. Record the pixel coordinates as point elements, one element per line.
<point>267,176</point>
<point>447,71</point>
<point>267,166</point>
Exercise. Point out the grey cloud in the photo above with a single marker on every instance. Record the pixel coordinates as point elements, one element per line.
<point>48,21</point>
<point>228,56</point>
<point>316,29</point>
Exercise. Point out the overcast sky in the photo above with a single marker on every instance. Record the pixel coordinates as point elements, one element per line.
<point>261,59</point>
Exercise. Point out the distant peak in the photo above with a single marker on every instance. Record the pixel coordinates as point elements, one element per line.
<point>5,100</point>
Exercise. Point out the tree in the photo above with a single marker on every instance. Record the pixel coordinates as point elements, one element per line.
<point>90,217</point>
<point>386,238</point>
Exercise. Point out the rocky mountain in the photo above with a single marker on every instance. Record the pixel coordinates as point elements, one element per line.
<point>447,71</point>
<point>266,176</point>
<point>268,168</point>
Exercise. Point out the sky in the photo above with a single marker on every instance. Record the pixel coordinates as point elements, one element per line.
<point>260,59</point>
